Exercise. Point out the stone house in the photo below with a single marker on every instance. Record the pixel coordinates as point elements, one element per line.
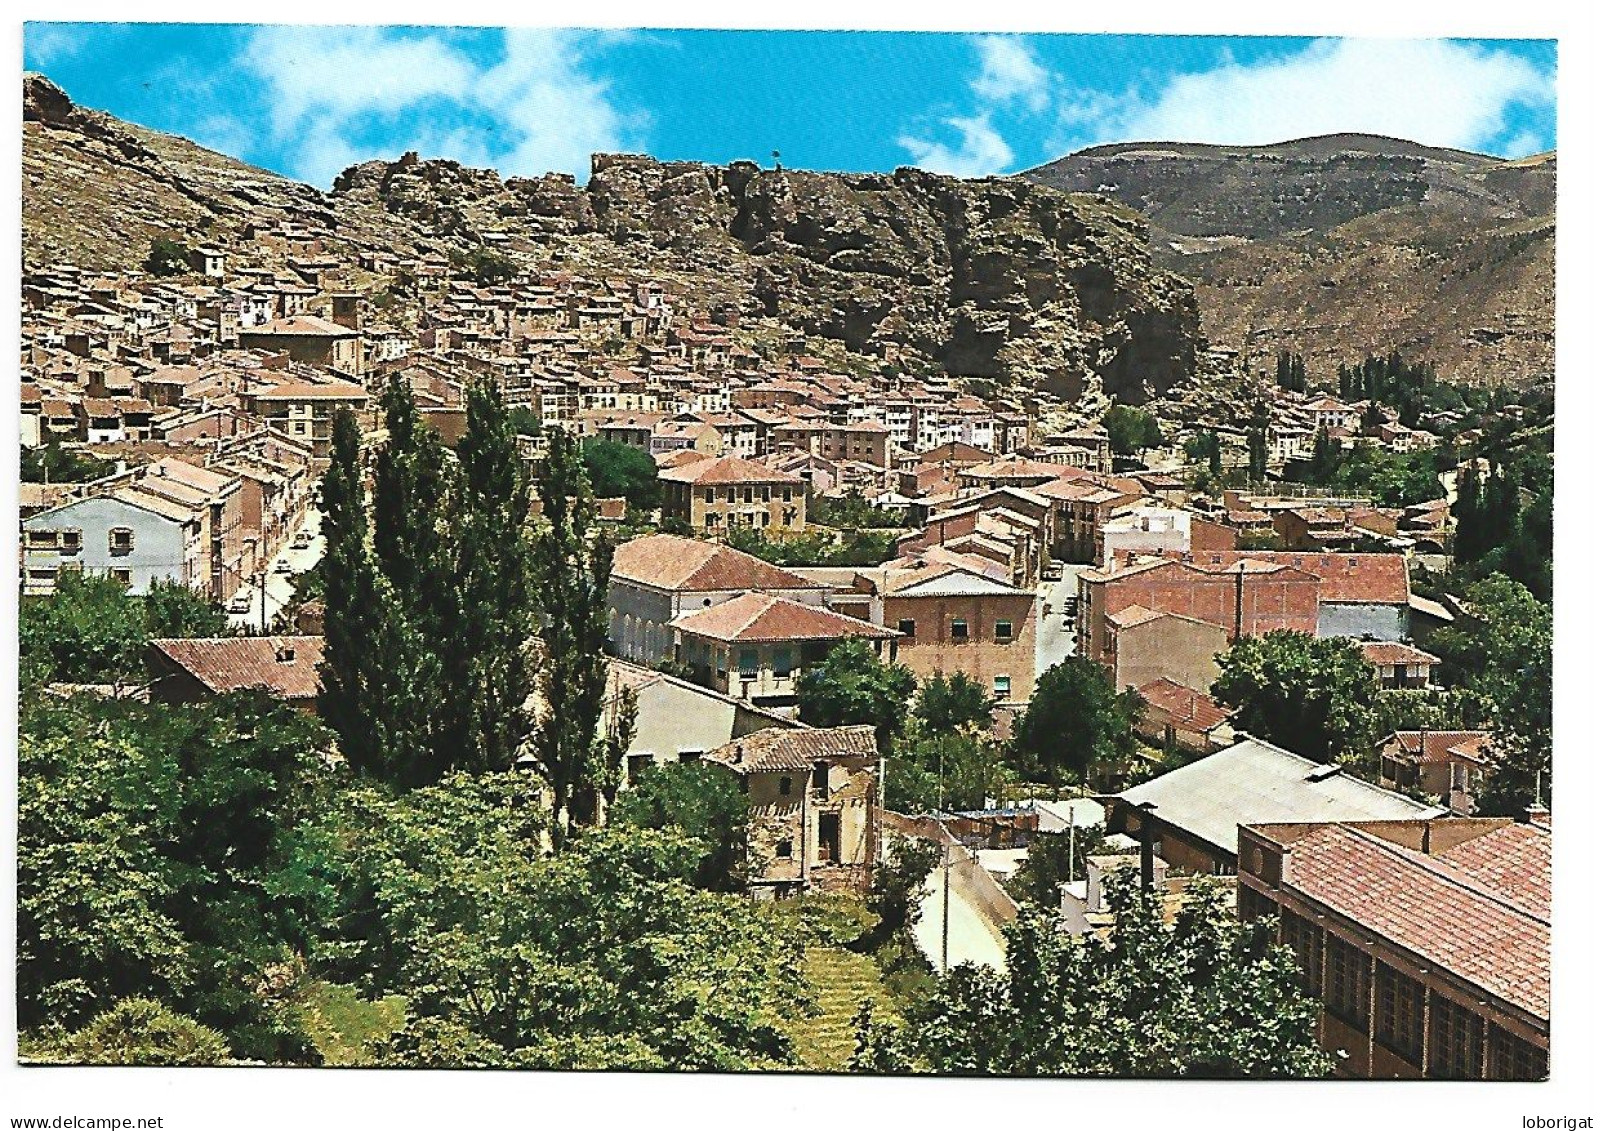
<point>1449,765</point>
<point>716,495</point>
<point>814,798</point>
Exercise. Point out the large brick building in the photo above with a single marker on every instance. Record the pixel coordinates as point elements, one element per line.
<point>1428,941</point>
<point>716,495</point>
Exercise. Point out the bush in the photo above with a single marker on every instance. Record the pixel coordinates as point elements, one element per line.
<point>167,257</point>
<point>139,1031</point>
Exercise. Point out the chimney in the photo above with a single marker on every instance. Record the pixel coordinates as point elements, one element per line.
<point>740,754</point>
<point>1539,815</point>
<point>284,654</point>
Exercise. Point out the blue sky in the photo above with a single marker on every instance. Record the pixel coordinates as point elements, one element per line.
<point>307,101</point>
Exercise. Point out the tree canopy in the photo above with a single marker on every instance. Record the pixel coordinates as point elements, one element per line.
<point>1076,724</point>
<point>854,687</point>
<point>1314,696</point>
<point>1131,429</point>
<point>91,631</point>
<point>622,470</point>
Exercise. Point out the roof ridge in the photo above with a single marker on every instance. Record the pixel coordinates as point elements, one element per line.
<point>1447,872</point>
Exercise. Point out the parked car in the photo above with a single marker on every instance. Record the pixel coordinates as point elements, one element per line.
<point>239,604</point>
<point>282,567</point>
<point>301,541</point>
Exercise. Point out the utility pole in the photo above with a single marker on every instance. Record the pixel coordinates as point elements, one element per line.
<point>261,577</point>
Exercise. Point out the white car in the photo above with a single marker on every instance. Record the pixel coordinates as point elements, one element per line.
<point>282,567</point>
<point>239,604</point>
<point>301,541</point>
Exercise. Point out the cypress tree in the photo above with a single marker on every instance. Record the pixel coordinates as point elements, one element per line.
<point>489,665</point>
<point>411,488</point>
<point>1468,540</point>
<point>572,563</point>
<point>1258,454</point>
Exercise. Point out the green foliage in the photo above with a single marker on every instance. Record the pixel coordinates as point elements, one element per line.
<point>958,703</point>
<point>572,563</point>
<point>1391,479</point>
<point>622,470</point>
<point>51,463</point>
<point>1406,387</point>
<point>1314,696</point>
<point>138,1031</point>
<point>91,631</point>
<point>896,889</point>
<point>1076,725</point>
<point>820,548</point>
<point>167,257</point>
<point>1505,523</point>
<point>484,266</point>
<point>1209,997</point>
<point>1204,447</point>
<point>852,512</point>
<point>1131,429</point>
<point>700,800</point>
<point>1053,859</point>
<point>944,770</point>
<point>1290,372</point>
<point>1502,653</point>
<point>604,956</point>
<point>153,861</point>
<point>853,687</point>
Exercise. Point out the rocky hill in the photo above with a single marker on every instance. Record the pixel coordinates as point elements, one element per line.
<point>995,278</point>
<point>1335,246</point>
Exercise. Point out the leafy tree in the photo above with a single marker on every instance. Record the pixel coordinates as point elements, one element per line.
<point>1327,456</point>
<point>852,512</point>
<point>138,1031</point>
<point>606,955</point>
<point>572,562</point>
<point>411,538</point>
<point>1131,429</point>
<point>489,664</point>
<point>153,861</point>
<point>167,257</point>
<point>1208,997</point>
<point>1204,446</point>
<point>1258,453</point>
<point>376,665</point>
<point>895,891</point>
<point>90,630</point>
<point>1290,372</point>
<point>1053,859</point>
<point>958,703</point>
<point>700,800</point>
<point>944,770</point>
<point>1311,695</point>
<point>622,470</point>
<point>51,463</point>
<point>1076,723</point>
<point>820,548</point>
<point>853,687</point>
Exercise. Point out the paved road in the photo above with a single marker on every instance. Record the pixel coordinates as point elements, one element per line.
<point>971,938</point>
<point>281,586</point>
<point>1054,637</point>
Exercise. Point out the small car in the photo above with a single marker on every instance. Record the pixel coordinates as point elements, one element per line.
<point>301,541</point>
<point>239,604</point>
<point>282,567</point>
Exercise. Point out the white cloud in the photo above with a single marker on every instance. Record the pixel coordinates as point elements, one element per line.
<point>982,151</point>
<point>325,83</point>
<point>1008,71</point>
<point>45,45</point>
<point>1436,92</point>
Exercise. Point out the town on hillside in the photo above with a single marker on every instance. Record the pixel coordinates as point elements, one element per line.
<point>466,654</point>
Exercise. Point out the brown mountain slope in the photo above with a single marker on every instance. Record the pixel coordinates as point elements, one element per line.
<point>1338,245</point>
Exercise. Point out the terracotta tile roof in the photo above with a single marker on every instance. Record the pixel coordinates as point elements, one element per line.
<point>303,325</point>
<point>233,663</point>
<point>667,561</point>
<point>1516,860</point>
<point>308,391</point>
<point>757,617</point>
<point>1387,653</point>
<point>774,749</point>
<point>1379,579</point>
<point>727,469</point>
<point>1183,704</point>
<point>1435,746</point>
<point>1446,913</point>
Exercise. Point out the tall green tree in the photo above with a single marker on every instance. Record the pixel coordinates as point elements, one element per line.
<point>952,704</point>
<point>1208,997</point>
<point>572,562</point>
<point>1076,725</point>
<point>1131,429</point>
<point>411,511</point>
<point>1314,696</point>
<point>854,687</point>
<point>488,658</point>
<point>90,630</point>
<point>622,470</point>
<point>700,800</point>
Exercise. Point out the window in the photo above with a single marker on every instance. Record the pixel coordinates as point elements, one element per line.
<point>907,628</point>
<point>959,629</point>
<point>729,494</point>
<point>748,662</point>
<point>1001,685</point>
<point>1004,631</point>
<point>767,518</point>
<point>43,539</point>
<point>829,838</point>
<point>768,493</point>
<point>637,765</point>
<point>711,495</point>
<point>821,778</point>
<point>1509,1058</point>
<point>1252,904</point>
<point>1347,983</point>
<point>123,576</point>
<point>745,495</point>
<point>782,662</point>
<point>783,849</point>
<point>1456,1039</point>
<point>1306,941</point>
<point>120,540</point>
<point>1399,1012</point>
<point>785,786</point>
<point>712,521</point>
<point>690,755</point>
<point>786,495</point>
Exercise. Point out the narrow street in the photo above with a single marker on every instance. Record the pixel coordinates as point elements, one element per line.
<point>971,938</point>
<point>280,586</point>
<point>1054,636</point>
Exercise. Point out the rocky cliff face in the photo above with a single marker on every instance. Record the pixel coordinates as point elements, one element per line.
<point>1341,245</point>
<point>992,278</point>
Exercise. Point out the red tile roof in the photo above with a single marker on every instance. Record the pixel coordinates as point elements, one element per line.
<point>757,617</point>
<point>1516,860</point>
<point>1183,704</point>
<point>1433,746</point>
<point>233,663</point>
<point>775,749</point>
<point>727,469</point>
<point>1387,653</point>
<point>1371,579</point>
<point>667,561</point>
<point>1449,913</point>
